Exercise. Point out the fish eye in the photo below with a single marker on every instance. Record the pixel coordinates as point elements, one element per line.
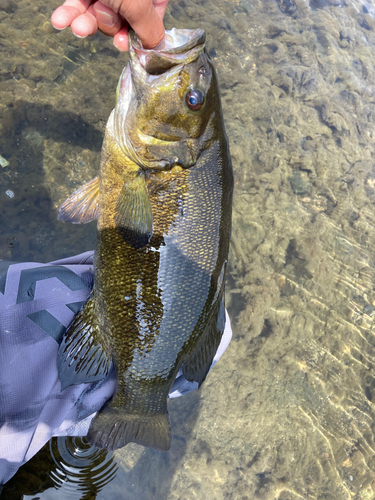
<point>194,99</point>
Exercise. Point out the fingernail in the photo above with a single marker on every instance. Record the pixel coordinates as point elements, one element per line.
<point>105,18</point>
<point>56,28</point>
<point>78,36</point>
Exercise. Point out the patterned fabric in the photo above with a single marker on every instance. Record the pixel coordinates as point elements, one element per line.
<point>37,304</point>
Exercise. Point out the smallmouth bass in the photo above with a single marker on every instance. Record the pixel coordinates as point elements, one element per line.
<point>163,201</point>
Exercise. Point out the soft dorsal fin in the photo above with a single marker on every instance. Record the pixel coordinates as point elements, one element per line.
<point>134,213</point>
<point>83,205</point>
<point>199,363</point>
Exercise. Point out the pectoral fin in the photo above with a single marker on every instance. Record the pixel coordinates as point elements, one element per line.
<point>199,363</point>
<point>83,205</point>
<point>134,213</point>
<point>82,358</point>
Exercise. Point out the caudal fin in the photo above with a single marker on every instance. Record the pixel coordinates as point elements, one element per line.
<point>113,428</point>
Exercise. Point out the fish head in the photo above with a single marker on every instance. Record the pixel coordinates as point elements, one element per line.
<point>168,102</point>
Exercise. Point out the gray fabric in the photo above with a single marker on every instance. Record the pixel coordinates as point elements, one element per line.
<point>37,304</point>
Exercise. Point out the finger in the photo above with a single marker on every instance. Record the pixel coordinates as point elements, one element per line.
<point>160,7</point>
<point>85,24</point>
<point>66,13</point>
<point>108,21</point>
<point>121,40</point>
<point>142,17</point>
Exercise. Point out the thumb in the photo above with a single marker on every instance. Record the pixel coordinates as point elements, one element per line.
<point>144,20</point>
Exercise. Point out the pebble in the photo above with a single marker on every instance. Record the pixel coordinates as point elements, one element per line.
<point>299,184</point>
<point>3,162</point>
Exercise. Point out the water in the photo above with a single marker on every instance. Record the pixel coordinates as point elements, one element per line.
<point>67,465</point>
<point>288,412</point>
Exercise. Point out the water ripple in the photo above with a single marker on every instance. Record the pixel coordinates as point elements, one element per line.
<point>80,467</point>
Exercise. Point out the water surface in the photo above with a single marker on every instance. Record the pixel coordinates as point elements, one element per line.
<point>288,412</point>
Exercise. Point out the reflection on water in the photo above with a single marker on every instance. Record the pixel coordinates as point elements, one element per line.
<point>66,468</point>
<point>80,467</point>
<point>288,413</point>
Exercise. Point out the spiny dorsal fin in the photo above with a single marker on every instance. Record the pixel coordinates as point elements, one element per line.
<point>134,213</point>
<point>83,205</point>
<point>82,358</point>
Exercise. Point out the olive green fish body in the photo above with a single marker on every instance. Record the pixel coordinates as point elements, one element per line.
<point>164,217</point>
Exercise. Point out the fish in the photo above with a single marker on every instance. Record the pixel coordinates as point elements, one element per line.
<point>163,200</point>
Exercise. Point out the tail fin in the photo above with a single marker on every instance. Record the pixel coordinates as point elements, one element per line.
<point>114,428</point>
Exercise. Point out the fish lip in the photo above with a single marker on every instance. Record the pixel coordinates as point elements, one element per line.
<point>178,47</point>
<point>169,45</point>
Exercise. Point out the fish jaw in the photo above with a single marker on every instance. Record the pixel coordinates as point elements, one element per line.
<point>118,122</point>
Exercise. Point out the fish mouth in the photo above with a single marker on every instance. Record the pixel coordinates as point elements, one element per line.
<point>179,46</point>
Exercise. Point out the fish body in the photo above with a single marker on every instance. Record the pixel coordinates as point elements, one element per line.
<point>163,201</point>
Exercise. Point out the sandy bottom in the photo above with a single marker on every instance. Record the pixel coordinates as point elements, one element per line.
<point>287,414</point>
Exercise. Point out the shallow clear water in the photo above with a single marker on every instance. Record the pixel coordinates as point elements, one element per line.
<point>288,411</point>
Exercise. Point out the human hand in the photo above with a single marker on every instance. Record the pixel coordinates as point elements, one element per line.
<point>113,18</point>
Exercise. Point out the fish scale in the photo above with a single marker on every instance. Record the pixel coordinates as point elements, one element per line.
<point>164,217</point>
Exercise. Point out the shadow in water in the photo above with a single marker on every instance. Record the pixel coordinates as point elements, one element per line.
<point>50,123</point>
<point>26,208</point>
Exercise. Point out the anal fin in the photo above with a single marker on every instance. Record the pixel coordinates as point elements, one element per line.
<point>81,357</point>
<point>83,205</point>
<point>114,428</point>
